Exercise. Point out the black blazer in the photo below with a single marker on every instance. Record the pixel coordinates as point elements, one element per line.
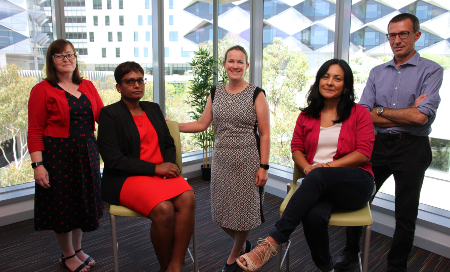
<point>120,146</point>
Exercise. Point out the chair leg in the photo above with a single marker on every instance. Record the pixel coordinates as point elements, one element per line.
<point>194,245</point>
<point>287,256</point>
<point>366,246</point>
<point>114,242</point>
<point>279,258</point>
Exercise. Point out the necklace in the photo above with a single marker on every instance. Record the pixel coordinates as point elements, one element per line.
<point>231,97</point>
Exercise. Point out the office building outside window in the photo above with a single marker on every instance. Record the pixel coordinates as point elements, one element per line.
<point>170,19</point>
<point>149,20</point>
<point>120,4</point>
<point>103,52</point>
<point>145,52</point>
<point>136,52</point>
<point>121,20</point>
<point>173,36</point>
<point>140,20</point>
<point>91,36</point>
<point>107,20</point>
<point>136,36</point>
<point>110,37</point>
<point>119,36</point>
<point>95,20</point>
<point>147,36</point>
<point>170,4</point>
<point>147,4</point>
<point>166,52</point>
<point>97,4</point>
<point>184,54</point>
<point>117,52</point>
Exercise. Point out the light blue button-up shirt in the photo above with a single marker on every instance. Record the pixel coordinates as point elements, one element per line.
<point>398,87</point>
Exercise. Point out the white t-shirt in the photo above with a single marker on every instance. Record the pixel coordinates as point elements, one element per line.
<point>327,145</point>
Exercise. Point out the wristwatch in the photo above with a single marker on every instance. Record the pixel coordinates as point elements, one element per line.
<point>264,166</point>
<point>36,164</point>
<point>380,110</point>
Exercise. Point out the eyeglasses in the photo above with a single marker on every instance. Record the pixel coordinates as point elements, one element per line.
<point>61,57</point>
<point>132,81</point>
<point>403,35</point>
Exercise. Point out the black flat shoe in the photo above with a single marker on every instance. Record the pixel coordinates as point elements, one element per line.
<point>62,262</point>
<point>230,267</point>
<point>346,260</point>
<point>248,246</point>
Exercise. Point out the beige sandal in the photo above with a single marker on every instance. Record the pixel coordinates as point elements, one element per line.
<point>264,257</point>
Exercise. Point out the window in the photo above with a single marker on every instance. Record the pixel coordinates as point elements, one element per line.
<point>95,20</point>
<point>121,20</point>
<point>170,19</point>
<point>136,52</point>
<point>184,54</point>
<point>136,36</point>
<point>82,51</point>
<point>110,39</point>
<point>103,52</point>
<point>117,52</point>
<point>108,4</point>
<point>145,52</point>
<point>140,20</point>
<point>170,4</point>
<point>106,20</point>
<point>119,36</point>
<point>147,4</point>
<point>76,35</point>
<point>91,36</point>
<point>75,19</point>
<point>97,4</point>
<point>166,52</point>
<point>173,36</point>
<point>147,36</point>
<point>149,20</point>
<point>120,4</point>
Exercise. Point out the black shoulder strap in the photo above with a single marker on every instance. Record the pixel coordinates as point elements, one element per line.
<point>213,92</point>
<point>257,91</point>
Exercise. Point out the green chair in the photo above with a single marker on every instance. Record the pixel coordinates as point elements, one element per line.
<point>118,210</point>
<point>344,218</point>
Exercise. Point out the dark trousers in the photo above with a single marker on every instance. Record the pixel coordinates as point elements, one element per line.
<point>323,191</point>
<point>406,159</point>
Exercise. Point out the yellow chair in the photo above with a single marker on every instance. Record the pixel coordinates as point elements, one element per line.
<point>124,211</point>
<point>345,218</point>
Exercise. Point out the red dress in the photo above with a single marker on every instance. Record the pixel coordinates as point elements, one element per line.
<point>143,193</point>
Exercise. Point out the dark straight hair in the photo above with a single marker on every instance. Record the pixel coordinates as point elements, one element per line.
<point>57,47</point>
<point>403,16</point>
<point>315,101</point>
<point>125,68</point>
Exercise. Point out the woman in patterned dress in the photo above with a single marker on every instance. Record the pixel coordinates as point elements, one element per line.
<point>61,113</point>
<point>241,156</point>
<point>140,171</point>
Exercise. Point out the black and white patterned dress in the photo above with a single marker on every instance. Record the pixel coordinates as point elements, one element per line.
<point>236,201</point>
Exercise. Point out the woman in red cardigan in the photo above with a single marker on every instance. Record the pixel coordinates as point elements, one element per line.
<point>62,112</point>
<point>333,141</point>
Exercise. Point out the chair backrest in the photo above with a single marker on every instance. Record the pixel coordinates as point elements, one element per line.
<point>175,133</point>
<point>298,173</point>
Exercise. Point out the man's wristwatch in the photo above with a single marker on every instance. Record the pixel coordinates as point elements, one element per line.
<point>380,110</point>
<point>264,166</point>
<point>36,164</point>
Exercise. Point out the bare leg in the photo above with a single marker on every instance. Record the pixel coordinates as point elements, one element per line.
<point>65,242</point>
<point>161,231</point>
<point>239,243</point>
<point>184,226</point>
<point>77,234</point>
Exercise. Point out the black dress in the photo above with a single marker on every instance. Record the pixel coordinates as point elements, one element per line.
<point>73,200</point>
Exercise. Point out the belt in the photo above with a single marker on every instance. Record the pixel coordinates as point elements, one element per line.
<point>394,137</point>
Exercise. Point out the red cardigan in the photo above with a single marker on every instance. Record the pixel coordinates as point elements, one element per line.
<point>48,112</point>
<point>357,133</point>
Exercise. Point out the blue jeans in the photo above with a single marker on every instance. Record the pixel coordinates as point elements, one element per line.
<point>323,191</point>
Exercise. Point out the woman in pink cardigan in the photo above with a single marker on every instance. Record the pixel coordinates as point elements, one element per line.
<point>333,141</point>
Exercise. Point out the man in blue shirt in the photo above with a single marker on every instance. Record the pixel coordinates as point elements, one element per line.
<point>402,96</point>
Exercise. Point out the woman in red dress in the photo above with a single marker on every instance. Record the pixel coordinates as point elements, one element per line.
<point>140,171</point>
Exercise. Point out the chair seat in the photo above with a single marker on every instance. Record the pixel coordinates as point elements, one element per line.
<point>345,218</point>
<point>122,211</point>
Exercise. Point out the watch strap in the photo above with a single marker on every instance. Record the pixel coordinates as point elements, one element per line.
<point>36,164</point>
<point>264,166</point>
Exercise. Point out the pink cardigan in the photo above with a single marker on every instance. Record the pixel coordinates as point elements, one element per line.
<point>357,133</point>
<point>48,112</point>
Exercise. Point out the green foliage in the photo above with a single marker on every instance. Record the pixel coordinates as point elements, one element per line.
<point>361,65</point>
<point>442,60</point>
<point>203,68</point>
<point>440,149</point>
<point>14,175</point>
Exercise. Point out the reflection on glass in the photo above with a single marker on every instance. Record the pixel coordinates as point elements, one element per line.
<point>369,48</point>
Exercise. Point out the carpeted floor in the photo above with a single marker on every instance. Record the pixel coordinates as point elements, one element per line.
<point>23,249</point>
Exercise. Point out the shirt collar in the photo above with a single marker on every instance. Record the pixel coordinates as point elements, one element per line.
<point>414,60</point>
